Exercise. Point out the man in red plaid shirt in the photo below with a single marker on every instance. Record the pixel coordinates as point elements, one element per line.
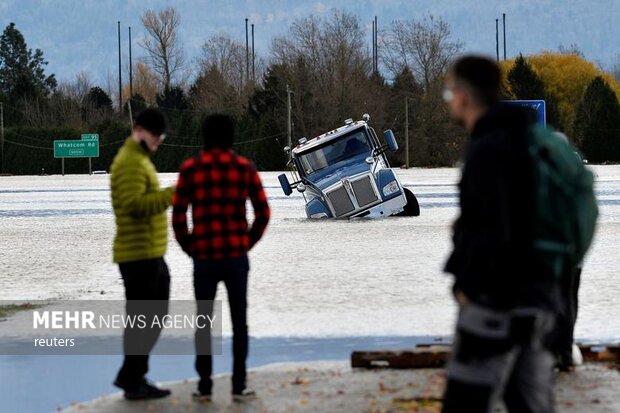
<point>217,183</point>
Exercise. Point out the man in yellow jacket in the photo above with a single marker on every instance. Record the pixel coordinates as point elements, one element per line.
<point>139,246</point>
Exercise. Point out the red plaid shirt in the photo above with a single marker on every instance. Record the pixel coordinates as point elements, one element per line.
<point>216,184</point>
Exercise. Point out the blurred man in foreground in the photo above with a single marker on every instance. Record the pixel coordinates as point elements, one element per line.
<point>506,297</point>
<point>217,184</point>
<point>140,245</point>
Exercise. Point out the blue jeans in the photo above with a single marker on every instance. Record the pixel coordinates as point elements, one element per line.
<point>234,273</point>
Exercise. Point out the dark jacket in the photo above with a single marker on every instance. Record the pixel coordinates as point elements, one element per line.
<point>493,261</point>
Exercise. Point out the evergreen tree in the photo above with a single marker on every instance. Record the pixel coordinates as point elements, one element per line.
<point>172,99</point>
<point>597,123</point>
<point>527,85</point>
<point>404,87</point>
<point>98,99</point>
<point>138,104</point>
<point>22,71</point>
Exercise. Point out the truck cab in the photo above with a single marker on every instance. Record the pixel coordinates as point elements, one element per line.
<point>345,173</point>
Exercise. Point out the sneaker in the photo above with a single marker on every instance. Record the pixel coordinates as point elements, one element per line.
<point>245,394</point>
<point>146,391</point>
<point>201,397</point>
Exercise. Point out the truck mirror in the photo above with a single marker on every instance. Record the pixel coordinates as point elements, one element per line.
<point>301,187</point>
<point>287,149</point>
<point>370,160</point>
<point>285,184</point>
<point>390,140</point>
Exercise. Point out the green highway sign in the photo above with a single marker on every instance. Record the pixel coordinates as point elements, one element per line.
<point>76,149</point>
<point>90,137</point>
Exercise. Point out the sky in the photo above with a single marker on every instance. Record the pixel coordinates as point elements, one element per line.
<point>81,35</point>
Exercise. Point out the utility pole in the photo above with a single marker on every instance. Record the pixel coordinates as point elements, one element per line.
<point>504,26</point>
<point>1,137</point>
<point>497,38</point>
<point>253,57</point>
<point>130,68</point>
<point>406,133</point>
<point>247,53</point>
<point>288,114</point>
<point>120,86</point>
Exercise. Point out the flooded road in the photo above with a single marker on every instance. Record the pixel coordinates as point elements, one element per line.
<point>308,278</point>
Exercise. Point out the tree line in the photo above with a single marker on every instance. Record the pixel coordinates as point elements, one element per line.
<point>326,64</point>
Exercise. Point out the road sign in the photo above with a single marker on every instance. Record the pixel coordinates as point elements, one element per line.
<point>90,137</point>
<point>76,149</point>
<point>539,106</point>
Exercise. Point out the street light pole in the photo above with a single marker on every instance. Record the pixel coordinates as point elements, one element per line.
<point>120,86</point>
<point>497,38</point>
<point>130,68</point>
<point>247,53</point>
<point>504,27</point>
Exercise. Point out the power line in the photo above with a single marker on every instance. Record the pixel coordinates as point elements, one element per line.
<point>178,145</point>
<point>27,146</point>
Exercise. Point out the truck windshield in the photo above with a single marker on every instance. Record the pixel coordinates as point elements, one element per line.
<point>335,152</point>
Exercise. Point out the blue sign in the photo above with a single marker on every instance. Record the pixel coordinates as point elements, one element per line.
<point>539,106</point>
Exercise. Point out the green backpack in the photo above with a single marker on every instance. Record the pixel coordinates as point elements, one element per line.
<point>566,209</point>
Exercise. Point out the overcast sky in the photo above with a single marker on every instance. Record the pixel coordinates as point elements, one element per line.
<point>80,35</point>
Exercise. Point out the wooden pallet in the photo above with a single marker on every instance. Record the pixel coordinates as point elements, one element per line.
<point>434,356</point>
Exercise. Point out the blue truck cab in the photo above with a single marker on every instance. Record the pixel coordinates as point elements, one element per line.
<point>345,173</point>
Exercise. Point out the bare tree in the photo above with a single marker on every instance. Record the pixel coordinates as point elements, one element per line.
<point>162,44</point>
<point>425,46</point>
<point>227,55</point>
<point>326,64</point>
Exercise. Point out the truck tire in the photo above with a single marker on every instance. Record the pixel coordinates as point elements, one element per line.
<point>412,208</point>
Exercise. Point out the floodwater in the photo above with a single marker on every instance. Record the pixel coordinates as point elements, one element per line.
<point>308,278</point>
<point>318,289</point>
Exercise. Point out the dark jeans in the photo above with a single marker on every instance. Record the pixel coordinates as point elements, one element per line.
<point>144,280</point>
<point>562,336</point>
<point>234,273</point>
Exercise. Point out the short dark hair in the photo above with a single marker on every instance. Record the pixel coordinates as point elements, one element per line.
<point>152,120</point>
<point>218,131</point>
<point>481,75</point>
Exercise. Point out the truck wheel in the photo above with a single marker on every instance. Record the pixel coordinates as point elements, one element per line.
<point>412,208</point>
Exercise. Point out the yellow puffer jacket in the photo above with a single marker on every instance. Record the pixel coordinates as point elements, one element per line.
<point>139,205</point>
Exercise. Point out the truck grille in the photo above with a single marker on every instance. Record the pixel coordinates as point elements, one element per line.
<point>340,201</point>
<point>364,191</point>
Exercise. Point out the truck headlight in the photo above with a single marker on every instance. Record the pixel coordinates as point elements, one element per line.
<point>390,188</point>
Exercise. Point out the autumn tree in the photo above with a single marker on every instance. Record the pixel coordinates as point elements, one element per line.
<point>162,44</point>
<point>565,77</point>
<point>597,123</point>
<point>144,83</point>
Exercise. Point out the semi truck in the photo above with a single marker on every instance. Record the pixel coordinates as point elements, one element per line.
<point>345,173</point>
